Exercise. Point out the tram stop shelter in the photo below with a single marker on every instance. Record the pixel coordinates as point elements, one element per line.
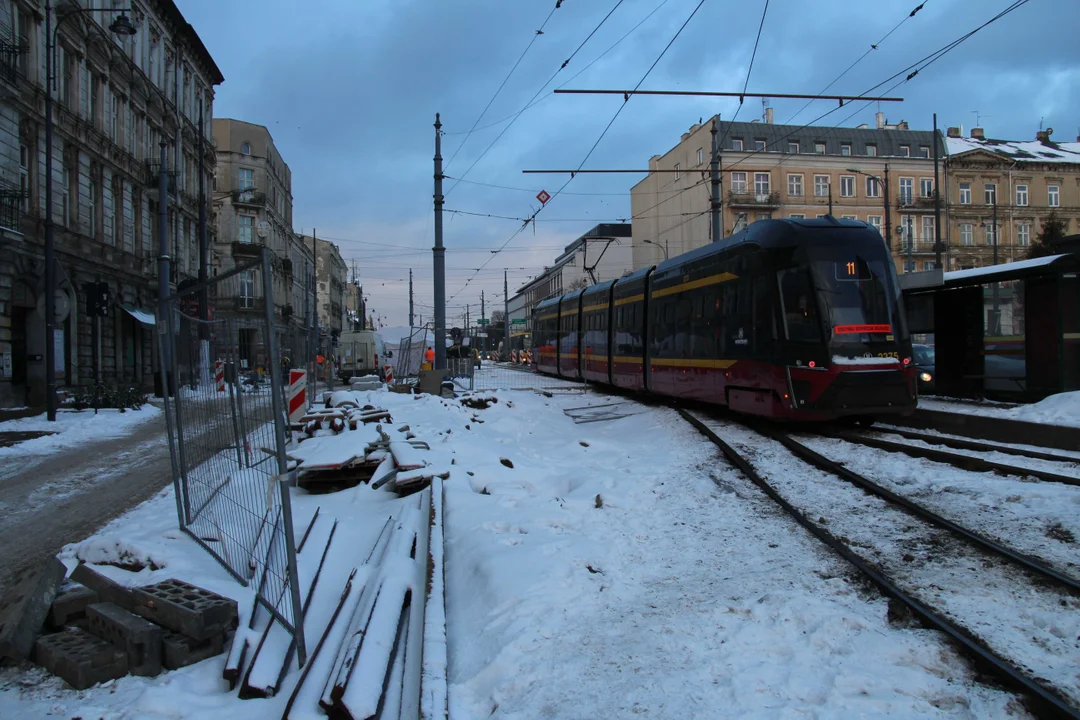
<point>1007,331</point>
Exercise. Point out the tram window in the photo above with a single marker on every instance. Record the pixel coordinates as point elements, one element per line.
<point>801,322</point>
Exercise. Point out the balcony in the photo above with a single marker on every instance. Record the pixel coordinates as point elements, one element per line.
<point>11,200</point>
<point>914,202</point>
<point>151,177</point>
<point>758,200</point>
<point>10,50</point>
<point>250,196</point>
<point>246,249</point>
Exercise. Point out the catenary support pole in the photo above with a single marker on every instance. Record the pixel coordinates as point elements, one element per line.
<point>50,249</point>
<point>937,203</point>
<point>204,263</point>
<point>410,299</point>
<point>440,256</point>
<point>888,203</point>
<point>506,318</point>
<point>717,228</point>
<point>163,268</point>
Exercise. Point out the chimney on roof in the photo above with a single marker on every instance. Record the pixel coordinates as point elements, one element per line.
<point>1042,136</point>
<point>684,136</point>
<point>879,118</point>
<point>954,132</point>
<point>769,115</point>
<point>977,133</point>
<point>902,125</point>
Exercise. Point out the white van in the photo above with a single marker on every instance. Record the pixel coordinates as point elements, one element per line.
<point>361,353</point>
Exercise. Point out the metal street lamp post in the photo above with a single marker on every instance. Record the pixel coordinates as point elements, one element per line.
<point>120,26</point>
<point>996,319</point>
<point>662,247</point>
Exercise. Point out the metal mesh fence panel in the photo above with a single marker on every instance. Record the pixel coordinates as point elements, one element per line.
<point>229,439</point>
<point>506,376</point>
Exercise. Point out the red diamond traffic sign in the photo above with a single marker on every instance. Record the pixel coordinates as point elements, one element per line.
<point>543,197</point>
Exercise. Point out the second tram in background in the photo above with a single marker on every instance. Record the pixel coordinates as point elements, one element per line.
<point>791,319</point>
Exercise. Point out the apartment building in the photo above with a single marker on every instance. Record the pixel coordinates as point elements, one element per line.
<point>116,97</point>
<point>1025,181</point>
<point>331,276</point>
<point>253,208</point>
<point>787,171</point>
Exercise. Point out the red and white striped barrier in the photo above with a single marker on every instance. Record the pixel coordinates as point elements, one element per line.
<point>219,375</point>
<point>514,357</point>
<point>297,395</point>
<point>388,370</point>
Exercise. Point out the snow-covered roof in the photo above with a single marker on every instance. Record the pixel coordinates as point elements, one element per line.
<point>1024,151</point>
<point>997,269</point>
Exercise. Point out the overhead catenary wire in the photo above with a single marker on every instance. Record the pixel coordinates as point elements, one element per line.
<point>532,40</point>
<point>536,95</point>
<point>598,140</point>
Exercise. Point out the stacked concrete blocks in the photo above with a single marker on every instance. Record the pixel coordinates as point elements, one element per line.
<point>186,609</point>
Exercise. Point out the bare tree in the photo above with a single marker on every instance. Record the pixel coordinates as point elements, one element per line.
<point>497,317</point>
<point>578,284</point>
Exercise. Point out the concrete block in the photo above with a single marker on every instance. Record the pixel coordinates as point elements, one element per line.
<point>185,608</point>
<point>81,659</point>
<point>107,590</point>
<point>139,638</point>
<point>25,606</point>
<point>70,605</point>
<point>180,651</point>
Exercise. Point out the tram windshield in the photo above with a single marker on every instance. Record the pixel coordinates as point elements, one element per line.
<point>858,293</point>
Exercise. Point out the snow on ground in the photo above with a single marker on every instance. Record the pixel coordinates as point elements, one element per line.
<point>1037,518</point>
<point>1033,624</point>
<point>73,428</point>
<point>1060,409</point>
<point>1065,454</point>
<point>609,569</point>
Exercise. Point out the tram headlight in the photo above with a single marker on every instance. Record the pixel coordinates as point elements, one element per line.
<point>925,377</point>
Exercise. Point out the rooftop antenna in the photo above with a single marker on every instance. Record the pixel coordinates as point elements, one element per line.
<point>978,117</point>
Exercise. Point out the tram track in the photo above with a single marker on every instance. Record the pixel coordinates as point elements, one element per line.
<point>953,579</point>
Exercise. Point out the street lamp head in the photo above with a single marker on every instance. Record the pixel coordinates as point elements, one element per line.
<point>122,25</point>
<point>854,170</point>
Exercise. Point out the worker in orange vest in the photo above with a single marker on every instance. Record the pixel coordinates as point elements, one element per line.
<point>429,355</point>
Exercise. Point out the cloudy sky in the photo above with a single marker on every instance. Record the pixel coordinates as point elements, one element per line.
<point>350,88</point>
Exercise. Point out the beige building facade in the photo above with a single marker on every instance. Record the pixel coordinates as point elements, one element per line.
<point>780,171</point>
<point>331,276</point>
<point>1026,180</point>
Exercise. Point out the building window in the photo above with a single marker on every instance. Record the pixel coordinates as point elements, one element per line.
<point>1023,234</point>
<point>928,265</point>
<point>875,222</point>
<point>926,187</point>
<point>965,193</point>
<point>736,144</point>
<point>245,148</point>
<point>847,186</point>
<point>845,149</point>
<point>24,176</point>
<point>65,195</point>
<point>794,185</point>
<point>1053,196</point>
<point>700,156</point>
<point>738,183</point>
<point>819,148</point>
<point>990,192</point>
<point>925,150</point>
<point>928,229</point>
<point>761,184</point>
<point>967,237</point>
<point>849,217</point>
<point>991,233</point>
<point>798,216</point>
<point>678,173</point>
<point>907,186</point>
<point>821,186</point>
<point>873,188</point>
<point>91,201</point>
<point>247,178</point>
<point>114,118</point>
<point>905,151</point>
<point>759,146</point>
<point>110,216</point>
<point>247,289</point>
<point>740,222</point>
<point>907,234</point>
<point>793,148</point>
<point>909,266</point>
<point>1021,194</point>
<point>871,150</point>
<point>247,225</point>
<point>762,216</point>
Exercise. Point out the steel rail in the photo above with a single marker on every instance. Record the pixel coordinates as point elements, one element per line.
<point>1049,701</point>
<point>965,462</point>
<point>965,444</point>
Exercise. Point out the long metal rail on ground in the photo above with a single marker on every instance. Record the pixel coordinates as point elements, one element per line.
<point>1047,701</point>
<point>964,462</point>
<point>958,443</point>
